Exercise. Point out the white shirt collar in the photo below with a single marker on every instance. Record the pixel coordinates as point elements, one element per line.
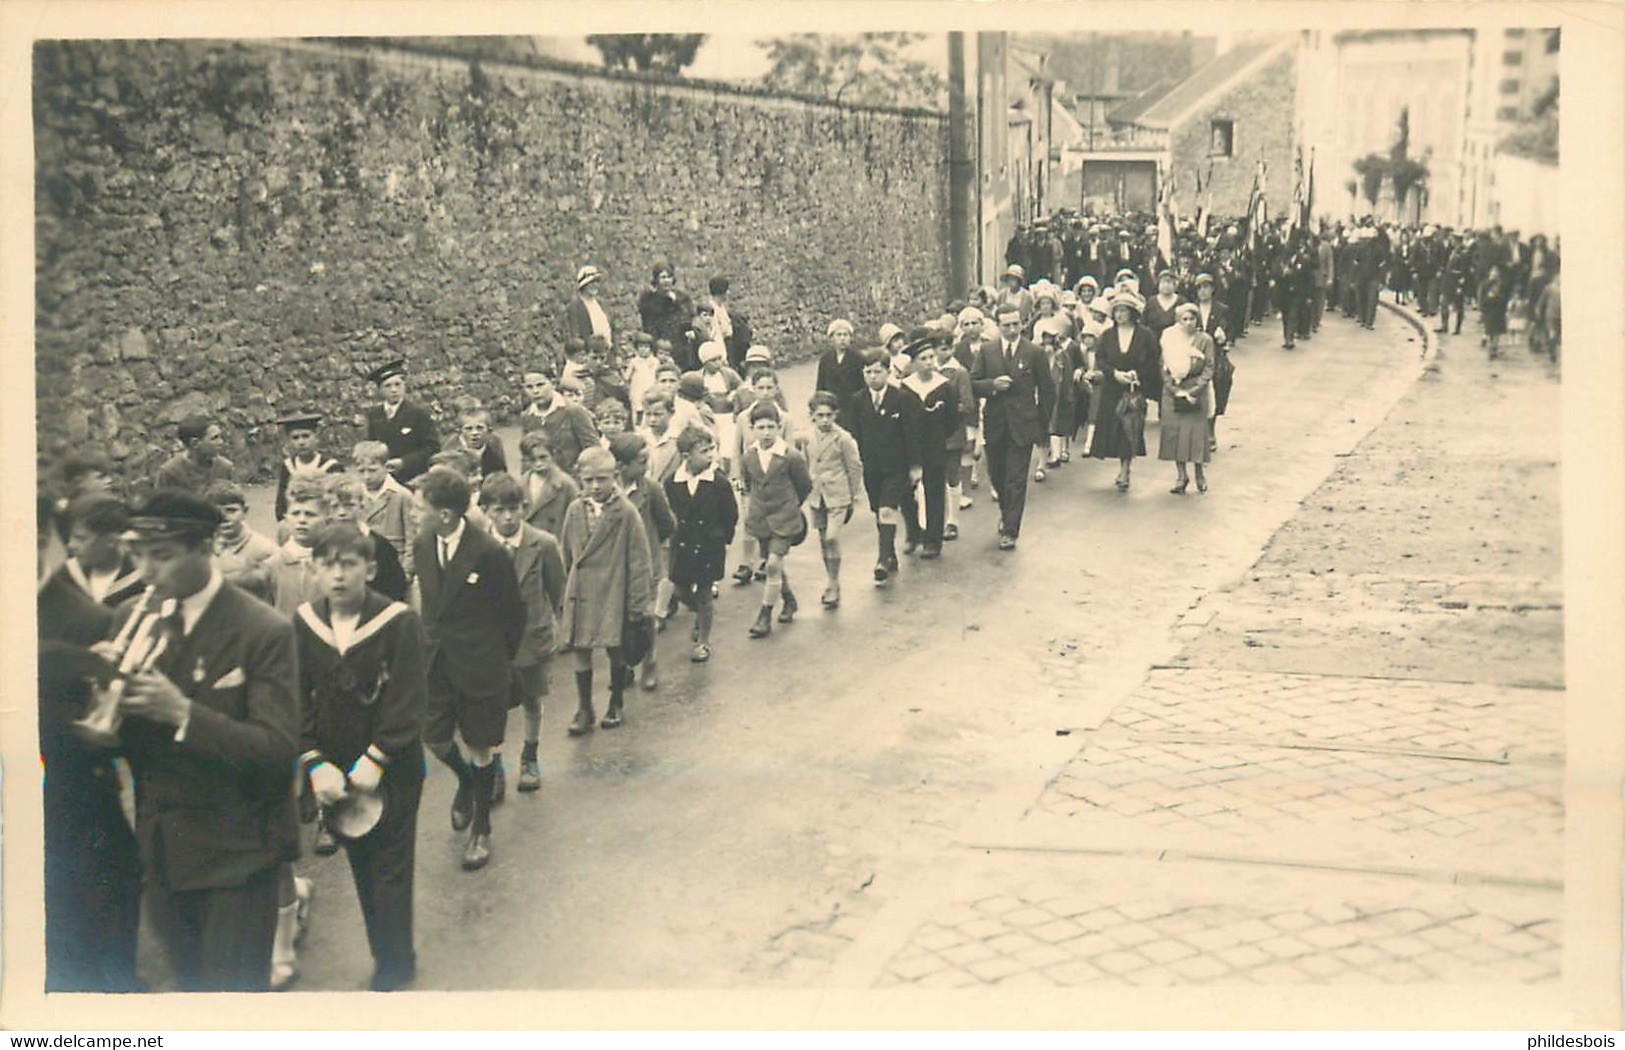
<point>194,604</point>
<point>920,386</point>
<point>765,456</point>
<point>684,474</point>
<point>450,543</point>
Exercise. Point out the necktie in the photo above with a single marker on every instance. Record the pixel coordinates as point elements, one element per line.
<point>879,396</point>
<point>445,551</point>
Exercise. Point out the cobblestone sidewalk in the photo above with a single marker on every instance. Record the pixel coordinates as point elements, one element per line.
<point>1161,930</point>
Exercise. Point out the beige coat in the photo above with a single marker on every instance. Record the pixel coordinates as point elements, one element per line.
<point>609,574</point>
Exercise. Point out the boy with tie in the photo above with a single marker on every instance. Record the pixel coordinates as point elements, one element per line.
<point>474,618</point>
<point>885,425</point>
<point>404,427</point>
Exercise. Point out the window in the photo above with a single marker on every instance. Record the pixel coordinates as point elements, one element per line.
<point>1511,86</point>
<point>1222,138</point>
<point>1507,113</point>
<point>1516,34</point>
<point>1512,58</point>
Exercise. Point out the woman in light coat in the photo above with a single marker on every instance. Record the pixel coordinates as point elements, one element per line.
<point>1188,357</point>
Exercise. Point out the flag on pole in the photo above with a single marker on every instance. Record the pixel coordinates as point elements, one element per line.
<point>1165,221</point>
<point>1295,218</point>
<point>1255,207</point>
<point>1309,195</point>
<point>1206,211</point>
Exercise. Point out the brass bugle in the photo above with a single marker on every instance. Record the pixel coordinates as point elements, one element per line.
<point>139,644</point>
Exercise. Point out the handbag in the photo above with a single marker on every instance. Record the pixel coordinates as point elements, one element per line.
<point>1182,405</point>
<point>1132,403</point>
<point>637,638</point>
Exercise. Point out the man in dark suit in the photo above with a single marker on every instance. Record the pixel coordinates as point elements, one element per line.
<point>474,617</point>
<point>402,425</point>
<point>92,865</point>
<point>885,424</point>
<point>840,369</point>
<point>211,731</point>
<point>1013,381</point>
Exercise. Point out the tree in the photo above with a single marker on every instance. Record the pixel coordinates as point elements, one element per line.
<point>867,68</point>
<point>1397,166</point>
<point>667,53</point>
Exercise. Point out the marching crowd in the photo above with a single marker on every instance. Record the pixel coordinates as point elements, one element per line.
<point>418,589</point>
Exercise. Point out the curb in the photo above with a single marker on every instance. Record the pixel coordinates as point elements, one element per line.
<point>1430,340</point>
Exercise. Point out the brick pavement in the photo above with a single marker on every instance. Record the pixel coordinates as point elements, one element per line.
<point>1204,932</point>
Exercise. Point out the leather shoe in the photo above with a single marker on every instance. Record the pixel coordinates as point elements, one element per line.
<point>462,806</point>
<point>931,551</point>
<point>583,722</point>
<point>950,532</point>
<point>881,572</point>
<point>788,613</point>
<point>764,623</point>
<point>1007,543</point>
<point>499,782</point>
<point>910,546</point>
<point>477,854</point>
<point>612,717</point>
<point>530,775</point>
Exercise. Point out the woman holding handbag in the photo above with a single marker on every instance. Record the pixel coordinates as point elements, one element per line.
<point>1188,357</point>
<point>1125,356</point>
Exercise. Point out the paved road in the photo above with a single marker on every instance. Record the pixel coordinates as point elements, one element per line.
<point>1350,771</point>
<point>755,813</point>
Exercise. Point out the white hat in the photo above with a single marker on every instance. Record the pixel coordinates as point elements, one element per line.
<point>712,352</point>
<point>586,275</point>
<point>1055,326</point>
<point>888,332</point>
<point>840,324</point>
<point>971,313</point>
<point>758,353</point>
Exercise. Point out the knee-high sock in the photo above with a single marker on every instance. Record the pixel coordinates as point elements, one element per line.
<point>584,689</point>
<point>485,780</point>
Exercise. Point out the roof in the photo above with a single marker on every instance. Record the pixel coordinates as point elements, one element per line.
<point>1128,111</point>
<point>1218,75</point>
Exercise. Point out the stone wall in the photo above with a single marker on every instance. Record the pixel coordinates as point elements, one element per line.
<point>246,229</point>
<point>1262,107</point>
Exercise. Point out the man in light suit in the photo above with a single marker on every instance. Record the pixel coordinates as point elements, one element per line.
<point>1013,381</point>
<point>474,618</point>
<point>211,732</point>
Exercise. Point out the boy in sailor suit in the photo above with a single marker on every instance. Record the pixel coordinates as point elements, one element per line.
<point>303,458</point>
<point>97,564</point>
<point>362,697</point>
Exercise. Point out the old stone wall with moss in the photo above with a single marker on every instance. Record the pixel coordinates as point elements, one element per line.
<point>248,228</point>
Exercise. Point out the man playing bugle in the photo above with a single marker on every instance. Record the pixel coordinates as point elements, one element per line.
<point>209,720</point>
